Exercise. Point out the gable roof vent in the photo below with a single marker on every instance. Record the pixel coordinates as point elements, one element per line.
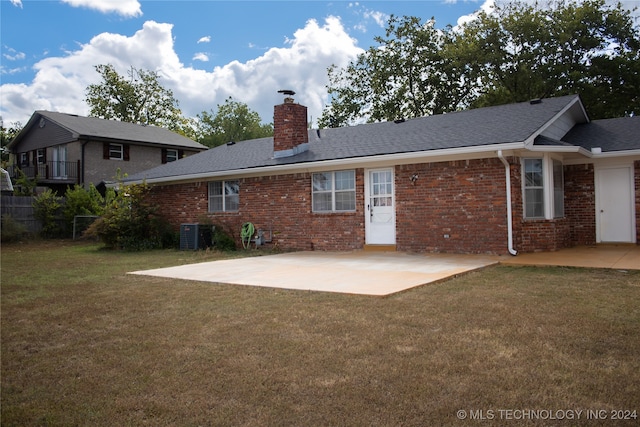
<point>535,101</point>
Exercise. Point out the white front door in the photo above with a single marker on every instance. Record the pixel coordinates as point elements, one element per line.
<point>380,216</point>
<point>615,216</point>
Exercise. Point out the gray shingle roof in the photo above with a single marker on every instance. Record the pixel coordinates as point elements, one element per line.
<point>465,129</point>
<point>95,128</point>
<point>610,134</point>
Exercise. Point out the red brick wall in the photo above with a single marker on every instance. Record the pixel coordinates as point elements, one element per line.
<point>289,126</point>
<point>580,203</point>
<point>544,235</point>
<point>465,201</point>
<point>281,203</point>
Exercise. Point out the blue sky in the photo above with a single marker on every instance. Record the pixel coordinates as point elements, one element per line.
<point>204,51</point>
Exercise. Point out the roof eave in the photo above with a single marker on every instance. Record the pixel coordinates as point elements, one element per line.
<point>620,153</point>
<point>560,149</point>
<point>397,158</point>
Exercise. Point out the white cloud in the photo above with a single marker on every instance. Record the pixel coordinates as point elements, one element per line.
<point>127,8</point>
<point>487,7</point>
<point>380,18</point>
<point>201,56</point>
<point>13,55</point>
<point>17,3</point>
<point>301,65</point>
<point>205,39</point>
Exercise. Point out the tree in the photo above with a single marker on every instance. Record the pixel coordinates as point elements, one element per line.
<point>409,74</point>
<point>518,52</point>
<point>233,121</point>
<point>140,98</point>
<point>6,136</point>
<point>525,51</point>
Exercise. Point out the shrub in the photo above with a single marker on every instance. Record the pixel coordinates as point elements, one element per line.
<point>131,222</point>
<point>222,240</point>
<point>11,230</point>
<point>47,207</point>
<point>82,202</point>
<point>25,186</point>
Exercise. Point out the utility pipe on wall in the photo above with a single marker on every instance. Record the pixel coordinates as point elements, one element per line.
<point>507,169</point>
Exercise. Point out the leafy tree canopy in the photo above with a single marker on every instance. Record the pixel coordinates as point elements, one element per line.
<point>518,52</point>
<point>138,98</point>
<point>233,121</point>
<point>6,136</point>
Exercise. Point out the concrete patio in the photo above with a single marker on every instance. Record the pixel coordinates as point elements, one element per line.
<point>621,256</point>
<point>382,273</point>
<point>359,272</point>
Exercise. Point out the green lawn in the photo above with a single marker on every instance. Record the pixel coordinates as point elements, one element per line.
<point>83,343</point>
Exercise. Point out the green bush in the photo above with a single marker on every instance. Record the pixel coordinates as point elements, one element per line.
<point>11,230</point>
<point>222,240</point>
<point>47,208</point>
<point>82,202</point>
<point>131,222</point>
<point>25,186</point>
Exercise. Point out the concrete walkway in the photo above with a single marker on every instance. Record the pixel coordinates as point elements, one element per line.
<point>381,273</point>
<point>367,273</point>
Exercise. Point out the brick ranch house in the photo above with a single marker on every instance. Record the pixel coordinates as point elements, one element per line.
<point>532,176</point>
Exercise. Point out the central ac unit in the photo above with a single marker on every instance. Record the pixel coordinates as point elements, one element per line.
<point>189,234</point>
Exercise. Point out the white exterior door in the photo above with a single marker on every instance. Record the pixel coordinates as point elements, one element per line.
<point>615,210</point>
<point>380,216</point>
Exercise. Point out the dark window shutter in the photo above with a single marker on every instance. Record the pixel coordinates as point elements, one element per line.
<point>125,154</point>
<point>105,150</point>
<point>180,154</point>
<point>35,157</point>
<point>164,155</point>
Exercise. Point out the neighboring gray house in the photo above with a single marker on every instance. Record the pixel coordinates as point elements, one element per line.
<point>60,150</point>
<point>532,176</point>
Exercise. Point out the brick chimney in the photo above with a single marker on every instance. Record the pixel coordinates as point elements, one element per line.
<point>290,133</point>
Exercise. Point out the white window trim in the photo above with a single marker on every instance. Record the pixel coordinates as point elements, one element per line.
<point>547,186</point>
<point>333,192</point>
<point>41,155</point>
<point>111,157</point>
<point>172,155</point>
<point>223,196</point>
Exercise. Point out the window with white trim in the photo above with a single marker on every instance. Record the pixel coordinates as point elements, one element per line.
<point>171,155</point>
<point>334,191</point>
<point>224,196</point>
<point>24,159</point>
<point>116,151</point>
<point>533,188</point>
<point>41,156</point>
<point>543,187</point>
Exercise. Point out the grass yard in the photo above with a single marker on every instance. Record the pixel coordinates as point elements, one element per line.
<point>83,343</point>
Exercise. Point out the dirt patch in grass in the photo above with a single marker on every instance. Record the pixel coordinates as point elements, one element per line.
<point>83,343</point>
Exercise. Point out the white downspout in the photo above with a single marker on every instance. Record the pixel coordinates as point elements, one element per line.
<point>507,169</point>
